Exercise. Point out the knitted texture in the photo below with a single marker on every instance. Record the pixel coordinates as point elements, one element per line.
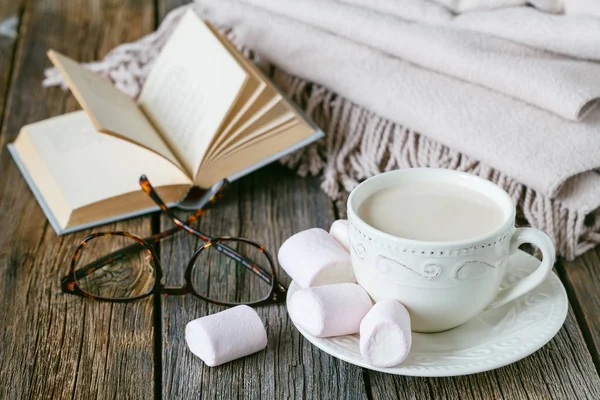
<point>359,143</point>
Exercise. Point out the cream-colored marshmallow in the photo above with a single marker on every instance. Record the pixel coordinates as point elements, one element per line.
<point>331,310</point>
<point>385,336</point>
<point>313,258</point>
<point>339,231</point>
<point>226,336</point>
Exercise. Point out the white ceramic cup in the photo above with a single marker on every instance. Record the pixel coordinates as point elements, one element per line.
<point>442,284</point>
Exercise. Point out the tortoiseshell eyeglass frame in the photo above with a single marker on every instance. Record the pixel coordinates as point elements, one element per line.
<point>277,293</point>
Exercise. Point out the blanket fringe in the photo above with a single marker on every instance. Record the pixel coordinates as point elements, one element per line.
<point>358,143</point>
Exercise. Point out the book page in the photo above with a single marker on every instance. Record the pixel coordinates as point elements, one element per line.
<point>110,110</point>
<point>264,101</point>
<point>270,117</point>
<point>258,132</point>
<point>87,166</point>
<point>254,94</point>
<point>192,87</point>
<point>255,153</point>
<point>248,140</point>
<point>236,113</point>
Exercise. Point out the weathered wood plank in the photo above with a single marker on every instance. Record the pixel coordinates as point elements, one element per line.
<point>164,6</point>
<point>55,345</point>
<point>267,206</point>
<point>563,369</point>
<point>582,280</point>
<point>10,17</point>
<point>560,370</point>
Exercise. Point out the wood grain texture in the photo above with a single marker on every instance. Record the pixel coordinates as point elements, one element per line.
<point>59,346</point>
<point>582,280</point>
<point>10,17</point>
<point>554,372</point>
<point>268,207</point>
<point>562,369</point>
<point>164,6</point>
<point>55,345</point>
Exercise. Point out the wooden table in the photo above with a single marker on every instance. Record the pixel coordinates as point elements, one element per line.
<point>59,346</point>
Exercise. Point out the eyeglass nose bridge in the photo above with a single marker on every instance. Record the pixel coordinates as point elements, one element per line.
<point>174,291</point>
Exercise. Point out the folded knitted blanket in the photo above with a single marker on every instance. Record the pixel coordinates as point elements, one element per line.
<point>358,85</point>
<point>591,7</point>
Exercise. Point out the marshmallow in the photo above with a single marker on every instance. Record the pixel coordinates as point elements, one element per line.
<point>313,258</point>
<point>339,231</point>
<point>226,336</point>
<point>331,310</point>
<point>385,336</point>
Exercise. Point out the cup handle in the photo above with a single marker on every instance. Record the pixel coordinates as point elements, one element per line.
<point>542,242</point>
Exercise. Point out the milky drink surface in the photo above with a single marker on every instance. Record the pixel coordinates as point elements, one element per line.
<point>431,211</point>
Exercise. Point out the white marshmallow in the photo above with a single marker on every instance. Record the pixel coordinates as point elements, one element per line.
<point>226,336</point>
<point>339,231</point>
<point>331,310</point>
<point>313,258</point>
<point>385,336</point>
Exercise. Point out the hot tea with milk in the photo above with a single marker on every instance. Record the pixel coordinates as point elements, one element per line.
<point>431,211</point>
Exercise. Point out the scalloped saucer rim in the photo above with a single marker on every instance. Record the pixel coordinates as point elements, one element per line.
<point>493,339</point>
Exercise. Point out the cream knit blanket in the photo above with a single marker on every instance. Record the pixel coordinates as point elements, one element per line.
<point>507,111</point>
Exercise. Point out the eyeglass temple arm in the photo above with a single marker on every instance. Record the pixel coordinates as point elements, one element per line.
<point>207,198</point>
<point>118,254</point>
<point>246,262</point>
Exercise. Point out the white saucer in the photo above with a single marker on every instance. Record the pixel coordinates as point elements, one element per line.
<point>493,339</point>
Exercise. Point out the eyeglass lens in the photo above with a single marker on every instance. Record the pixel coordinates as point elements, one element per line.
<point>221,278</point>
<point>118,276</point>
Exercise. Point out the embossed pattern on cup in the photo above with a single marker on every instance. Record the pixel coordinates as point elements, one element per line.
<point>442,284</point>
<point>448,287</point>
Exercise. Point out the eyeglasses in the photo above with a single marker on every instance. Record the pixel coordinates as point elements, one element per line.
<point>123,267</point>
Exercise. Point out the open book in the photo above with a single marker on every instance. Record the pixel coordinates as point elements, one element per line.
<point>204,114</point>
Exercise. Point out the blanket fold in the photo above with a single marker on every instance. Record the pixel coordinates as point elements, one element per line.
<point>502,132</point>
<point>372,92</point>
<point>567,87</point>
<point>589,7</point>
